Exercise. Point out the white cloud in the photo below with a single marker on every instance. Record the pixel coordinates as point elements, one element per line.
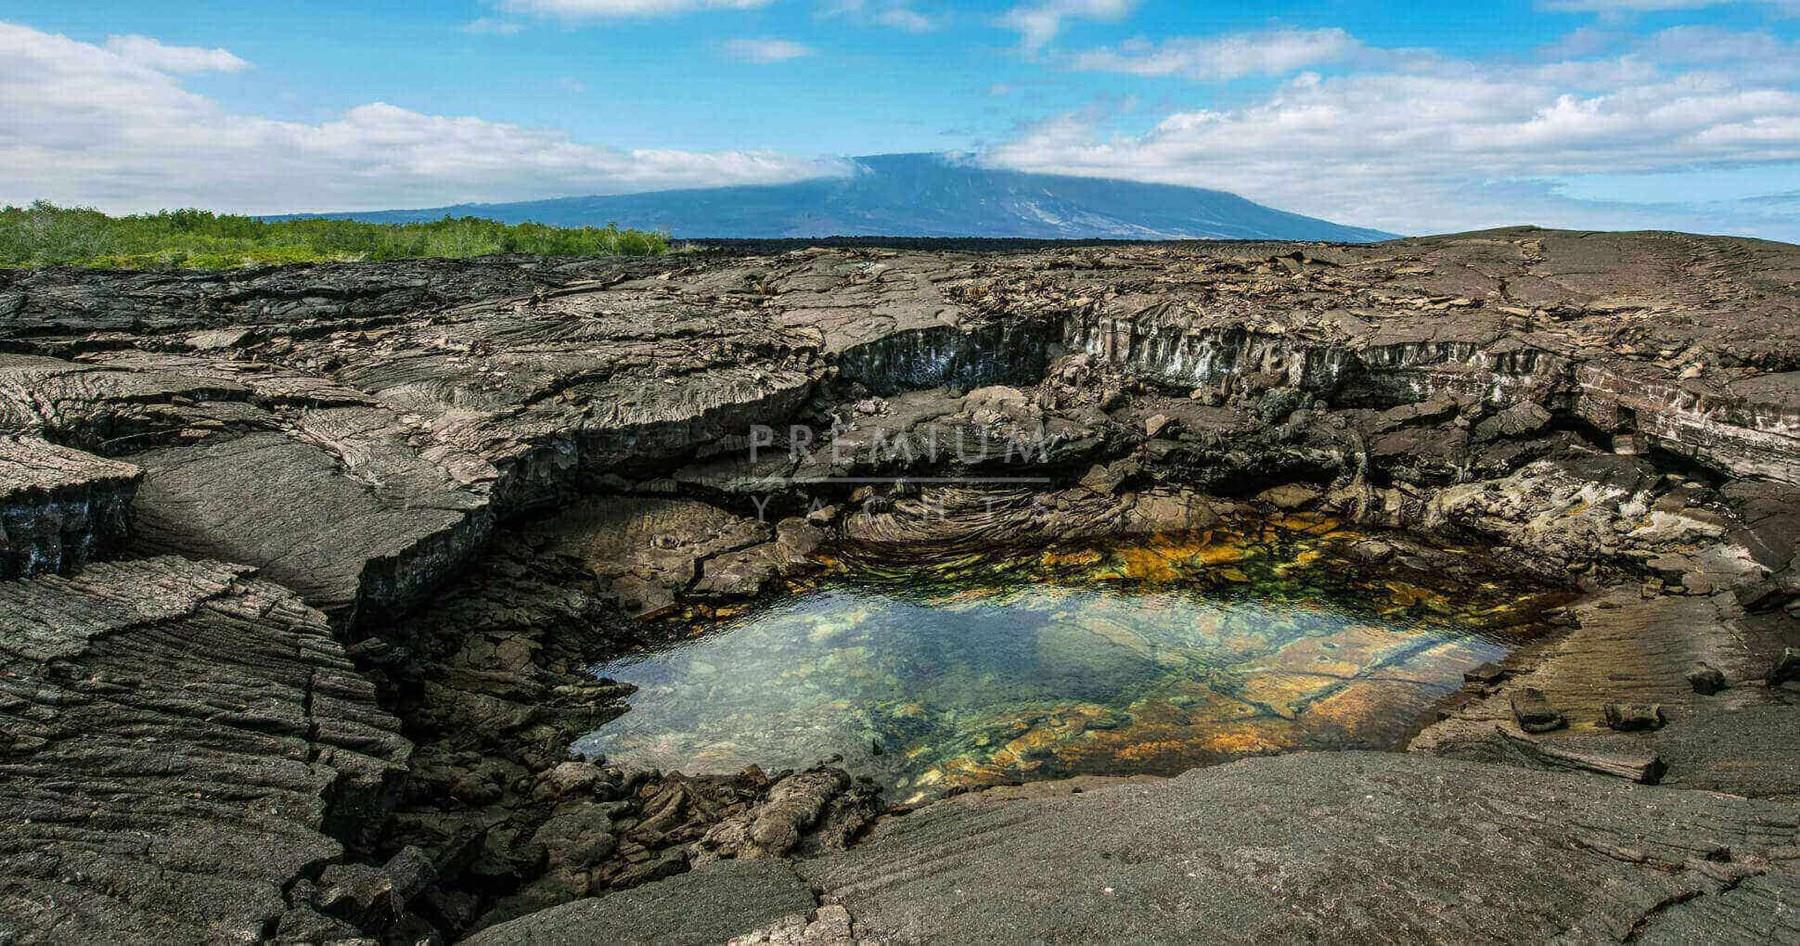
<point>179,60</point>
<point>623,9</point>
<point>1708,44</point>
<point>765,51</point>
<point>1038,23</point>
<point>905,18</point>
<point>1627,6</point>
<point>1434,145</point>
<point>894,14</point>
<point>82,124</point>
<point>1656,6</point>
<point>1230,56</point>
<point>492,26</point>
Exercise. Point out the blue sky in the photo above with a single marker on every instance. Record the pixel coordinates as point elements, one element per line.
<point>1411,117</point>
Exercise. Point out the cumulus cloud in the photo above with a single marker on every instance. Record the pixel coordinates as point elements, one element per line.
<point>1038,23</point>
<point>81,123</point>
<point>1269,52</point>
<point>180,60</point>
<point>764,51</point>
<point>1444,144</point>
<point>623,9</point>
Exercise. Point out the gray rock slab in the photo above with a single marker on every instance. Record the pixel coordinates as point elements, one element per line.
<point>703,907</point>
<point>1315,847</point>
<point>176,740</point>
<point>349,526</point>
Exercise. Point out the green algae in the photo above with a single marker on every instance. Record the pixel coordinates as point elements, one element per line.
<point>1147,656</point>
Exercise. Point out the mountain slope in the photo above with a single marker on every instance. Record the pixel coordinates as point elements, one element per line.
<point>924,195</point>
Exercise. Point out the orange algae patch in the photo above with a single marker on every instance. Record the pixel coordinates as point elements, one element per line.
<point>1283,693</point>
<point>1361,706</point>
<point>1159,560</point>
<point>1403,595</point>
<point>1052,558</point>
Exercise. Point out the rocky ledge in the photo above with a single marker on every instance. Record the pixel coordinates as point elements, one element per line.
<point>444,488</point>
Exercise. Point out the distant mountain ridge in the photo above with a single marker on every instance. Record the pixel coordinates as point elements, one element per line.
<point>921,195</point>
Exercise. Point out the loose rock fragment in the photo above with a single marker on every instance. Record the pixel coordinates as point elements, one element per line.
<point>1706,679</point>
<point>1534,712</point>
<point>1157,425</point>
<point>1634,717</point>
<point>1487,674</point>
<point>1787,667</point>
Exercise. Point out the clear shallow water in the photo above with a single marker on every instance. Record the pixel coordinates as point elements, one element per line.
<point>1150,658</point>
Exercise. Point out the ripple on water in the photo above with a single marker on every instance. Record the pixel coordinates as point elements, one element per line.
<point>1150,657</point>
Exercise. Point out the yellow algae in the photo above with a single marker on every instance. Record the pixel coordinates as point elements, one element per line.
<point>1311,523</point>
<point>1404,595</point>
<point>1283,692</point>
<point>1147,564</point>
<point>1196,704</point>
<point>1220,553</point>
<point>1157,557</point>
<point>1245,739</point>
<point>1052,558</point>
<point>1371,712</point>
<point>1141,751</point>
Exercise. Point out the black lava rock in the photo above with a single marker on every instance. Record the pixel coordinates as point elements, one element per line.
<point>1706,679</point>
<point>1534,712</point>
<point>1634,717</point>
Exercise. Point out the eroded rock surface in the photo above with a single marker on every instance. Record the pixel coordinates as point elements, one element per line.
<point>1326,846</point>
<point>710,905</point>
<point>471,479</point>
<point>182,746</point>
<point>464,393</point>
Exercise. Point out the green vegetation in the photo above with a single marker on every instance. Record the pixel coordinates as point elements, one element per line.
<point>46,235</point>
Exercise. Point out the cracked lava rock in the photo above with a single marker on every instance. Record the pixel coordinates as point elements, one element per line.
<point>301,569</point>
